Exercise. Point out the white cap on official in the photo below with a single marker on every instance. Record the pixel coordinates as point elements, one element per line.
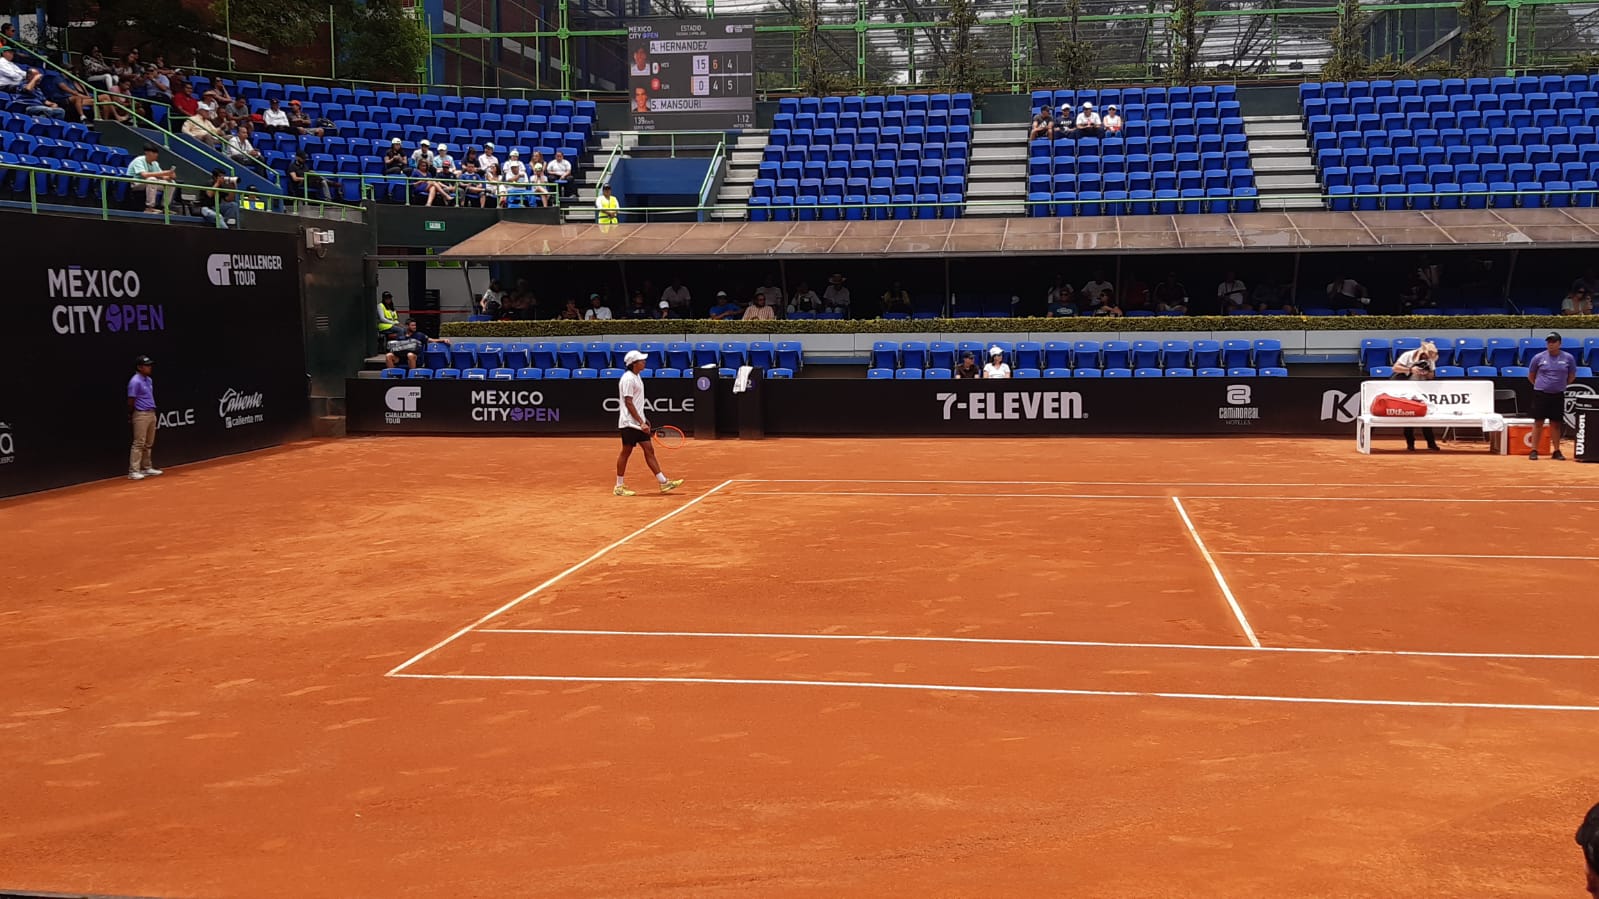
<point>633,356</point>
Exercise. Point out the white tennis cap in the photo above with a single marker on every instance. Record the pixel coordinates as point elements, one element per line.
<point>995,351</point>
<point>633,356</point>
<point>443,147</point>
<point>1088,105</point>
<point>395,141</point>
<point>426,142</point>
<point>515,154</point>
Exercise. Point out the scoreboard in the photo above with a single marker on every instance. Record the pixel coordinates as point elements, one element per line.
<point>691,75</point>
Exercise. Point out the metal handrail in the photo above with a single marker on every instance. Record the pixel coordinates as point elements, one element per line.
<point>710,173</point>
<point>526,191</point>
<point>105,182</point>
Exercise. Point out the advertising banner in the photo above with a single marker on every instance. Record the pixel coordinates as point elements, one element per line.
<point>528,408</point>
<point>218,311</point>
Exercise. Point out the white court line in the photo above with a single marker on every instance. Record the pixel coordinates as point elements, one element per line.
<point>1221,582</point>
<point>395,671</point>
<point>1245,552</point>
<point>1151,483</point>
<point>1192,498</point>
<point>1006,641</point>
<point>1034,691</point>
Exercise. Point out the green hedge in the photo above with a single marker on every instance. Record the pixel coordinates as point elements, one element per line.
<point>1418,323</point>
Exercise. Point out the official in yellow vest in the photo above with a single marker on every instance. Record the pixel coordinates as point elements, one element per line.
<point>388,316</point>
<point>607,206</point>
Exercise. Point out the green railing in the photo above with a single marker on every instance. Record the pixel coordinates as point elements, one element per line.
<point>528,195</point>
<point>49,201</point>
<point>710,174</point>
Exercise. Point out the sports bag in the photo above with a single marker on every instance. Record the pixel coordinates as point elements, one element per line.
<point>1390,406</point>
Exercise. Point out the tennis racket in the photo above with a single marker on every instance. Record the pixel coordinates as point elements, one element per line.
<point>668,437</point>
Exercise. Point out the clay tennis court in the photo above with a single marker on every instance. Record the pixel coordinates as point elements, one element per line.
<point>431,667</point>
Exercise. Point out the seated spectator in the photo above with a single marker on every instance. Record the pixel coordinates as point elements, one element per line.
<point>487,158</point>
<point>203,129</point>
<point>109,108</point>
<point>663,310</point>
<point>130,73</point>
<point>1060,294</point>
<point>15,78</point>
<point>234,113</point>
<point>1064,305</point>
<point>1086,124</point>
<point>640,307</point>
<point>725,308</point>
<point>1098,285</point>
<point>275,120</point>
<point>209,107</point>
<point>424,150</point>
<point>34,102</point>
<point>835,296</point>
<point>1589,282</point>
<point>489,303</point>
<point>1266,295</point>
<point>896,299</point>
<point>1113,121</point>
<point>679,296</point>
<point>571,312</point>
<point>541,188</point>
<point>757,310</point>
<point>424,185</point>
<point>773,293</point>
<point>536,164</point>
<point>1347,293</point>
<point>394,161</point>
<point>79,106</point>
<point>145,166</point>
<point>444,163</point>
<point>302,180</point>
<point>521,302</point>
<point>419,341</point>
<point>473,189</point>
<point>219,205</point>
<point>968,368</point>
<point>597,311</point>
<point>996,367</point>
<point>158,80</point>
<point>96,69</point>
<point>241,149</point>
<point>559,171</point>
<point>1578,302</point>
<point>1171,296</point>
<point>804,299</point>
<point>302,123</point>
<point>514,172</point>
<point>388,317</point>
<point>1043,126</point>
<point>184,100</point>
<point>1232,294</point>
<point>1105,306</point>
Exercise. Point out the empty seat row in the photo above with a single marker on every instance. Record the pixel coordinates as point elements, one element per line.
<point>1084,354</point>
<point>1332,90</point>
<point>1190,201</point>
<point>265,90</point>
<point>553,374</point>
<point>1474,371</point>
<point>1467,352</point>
<point>875,103</point>
<point>1133,163</point>
<point>1202,93</point>
<point>918,374</point>
<point>597,355</point>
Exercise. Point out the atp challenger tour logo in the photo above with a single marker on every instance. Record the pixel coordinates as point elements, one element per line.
<point>1030,405</point>
<point>237,409</point>
<point>239,271</point>
<point>401,402</point>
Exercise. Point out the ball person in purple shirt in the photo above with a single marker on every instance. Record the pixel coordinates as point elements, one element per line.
<point>141,414</point>
<point>1550,371</point>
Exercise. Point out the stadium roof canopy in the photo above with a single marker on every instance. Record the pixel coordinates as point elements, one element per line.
<point>1258,231</point>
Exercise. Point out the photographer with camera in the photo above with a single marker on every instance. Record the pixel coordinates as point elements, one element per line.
<point>220,204</point>
<point>1418,365</point>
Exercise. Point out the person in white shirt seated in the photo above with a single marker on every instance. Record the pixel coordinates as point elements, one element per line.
<point>1087,123</point>
<point>559,171</point>
<point>835,296</point>
<point>424,150</point>
<point>1113,122</point>
<point>275,120</point>
<point>444,163</point>
<point>541,188</point>
<point>996,367</point>
<point>1232,294</point>
<point>242,150</point>
<point>488,158</point>
<point>515,170</point>
<point>597,310</point>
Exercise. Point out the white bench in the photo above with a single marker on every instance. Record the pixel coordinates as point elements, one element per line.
<point>1450,404</point>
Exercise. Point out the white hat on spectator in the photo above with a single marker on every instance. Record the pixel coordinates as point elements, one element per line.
<point>632,357</point>
<point>488,146</point>
<point>426,142</point>
<point>665,304</point>
<point>515,153</point>
<point>1087,105</point>
<point>443,147</point>
<point>396,142</point>
<point>1111,106</point>
<point>995,351</point>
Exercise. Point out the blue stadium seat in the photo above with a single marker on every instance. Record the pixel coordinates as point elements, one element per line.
<point>1470,351</point>
<point>1026,373</point>
<point>1512,371</point>
<point>1179,373</point>
<point>880,374</point>
<point>1087,373</point>
<point>668,373</point>
<point>913,354</point>
<point>1273,371</point>
<point>908,374</point>
<point>393,373</point>
<point>529,374</point>
<point>570,355</point>
<point>1235,354</point>
<point>707,352</point>
<point>1211,372</point>
<point>1449,371</point>
<point>1147,373</point>
<point>1057,372</point>
<point>1380,372</point>
<point>557,374</point>
<point>1501,351</point>
<point>502,374</point>
<point>735,354</point>
<point>885,354</point>
<point>763,354</point>
<point>1375,351</point>
<point>447,374</point>
<point>1174,353</point>
<point>1206,356</point>
<point>1482,371</point>
<point>1268,353</point>
<point>475,374</point>
<point>937,373</point>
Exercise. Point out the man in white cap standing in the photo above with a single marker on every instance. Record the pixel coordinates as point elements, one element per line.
<point>635,427</point>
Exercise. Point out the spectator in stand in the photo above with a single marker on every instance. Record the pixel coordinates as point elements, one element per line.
<point>185,101</point>
<point>757,310</point>
<point>1086,124</point>
<point>424,150</point>
<point>1098,285</point>
<point>489,304</point>
<point>79,105</point>
<point>514,172</point>
<point>559,171</point>
<point>1550,372</point>
<point>145,166</point>
<point>1416,294</point>
<point>536,164</point>
<point>444,164</point>
<point>419,341</point>
<point>1061,293</point>
<point>302,123</point>
<point>541,188</point>
<point>1232,294</point>
<point>487,158</point>
<point>158,80</point>
<point>1105,306</point>
<point>274,120</point>
<point>896,299</point>
<point>772,293</point>
<point>606,206</point>
<point>967,369</point>
<point>108,108</point>
<point>1265,295</point>
<point>388,316</point>
<point>597,311</point>
<point>1171,296</point>
<point>570,312</point>
<point>220,204</point>
<point>473,189</point>
<point>1578,302</point>
<point>1113,121</point>
<point>725,308</point>
<point>804,300</point>
<point>678,296</point>
<point>203,129</point>
<point>1418,365</point>
<point>15,78</point>
<point>1347,293</point>
<point>302,180</point>
<point>231,114</point>
<point>8,33</point>
<point>640,307</point>
<point>34,102</point>
<point>996,367</point>
<point>394,161</point>
<point>1589,282</point>
<point>423,184</point>
<point>1043,126</point>
<point>96,69</point>
<point>664,310</point>
<point>130,73</point>
<point>242,149</point>
<point>835,296</point>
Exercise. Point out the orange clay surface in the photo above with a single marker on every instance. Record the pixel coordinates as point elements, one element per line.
<point>194,700</point>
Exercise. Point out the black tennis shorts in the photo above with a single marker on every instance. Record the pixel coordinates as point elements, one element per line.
<point>634,437</point>
<point>1548,405</point>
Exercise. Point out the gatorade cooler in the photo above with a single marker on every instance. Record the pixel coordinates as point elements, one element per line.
<point>1586,433</point>
<point>1518,437</point>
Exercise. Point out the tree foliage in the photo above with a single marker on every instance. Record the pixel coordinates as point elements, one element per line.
<point>1075,58</point>
<point>1348,59</point>
<point>961,64</point>
<point>377,40</point>
<point>1476,57</point>
<point>1186,68</point>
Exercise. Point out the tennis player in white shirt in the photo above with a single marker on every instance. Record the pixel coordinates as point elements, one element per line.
<point>996,367</point>
<point>635,426</point>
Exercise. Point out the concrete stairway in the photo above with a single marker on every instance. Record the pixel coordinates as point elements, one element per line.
<point>743,164</point>
<point>1279,151</point>
<point>998,169</point>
